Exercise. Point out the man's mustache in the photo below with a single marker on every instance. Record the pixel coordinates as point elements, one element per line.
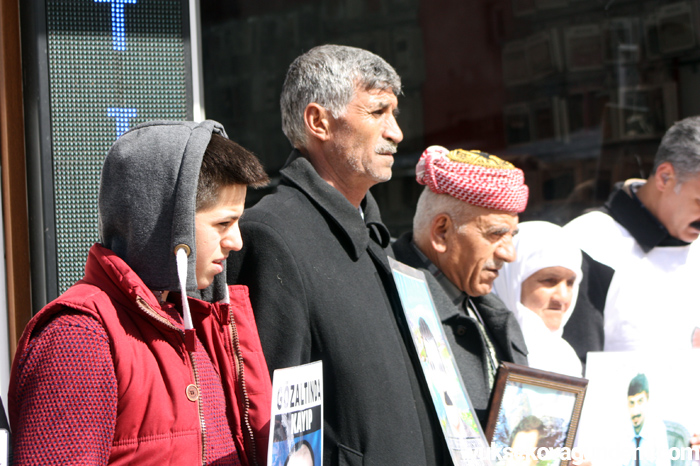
<point>387,147</point>
<point>696,224</point>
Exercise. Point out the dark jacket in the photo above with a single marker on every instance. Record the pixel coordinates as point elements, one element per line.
<point>322,290</point>
<point>465,339</point>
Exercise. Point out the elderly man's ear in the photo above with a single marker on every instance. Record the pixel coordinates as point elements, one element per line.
<point>440,229</point>
<point>316,120</point>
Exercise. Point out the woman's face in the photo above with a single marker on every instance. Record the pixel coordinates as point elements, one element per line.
<point>548,293</point>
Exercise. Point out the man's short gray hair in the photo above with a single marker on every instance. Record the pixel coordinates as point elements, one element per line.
<point>431,205</point>
<point>680,147</point>
<point>328,75</point>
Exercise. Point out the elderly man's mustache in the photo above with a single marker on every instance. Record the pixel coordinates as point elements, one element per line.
<point>388,147</point>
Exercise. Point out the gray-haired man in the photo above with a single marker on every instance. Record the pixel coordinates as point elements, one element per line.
<point>642,259</point>
<point>315,262</point>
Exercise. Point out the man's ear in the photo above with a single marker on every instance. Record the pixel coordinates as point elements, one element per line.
<point>440,228</point>
<point>665,176</point>
<point>316,121</point>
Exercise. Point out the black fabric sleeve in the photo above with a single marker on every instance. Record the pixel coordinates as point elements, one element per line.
<point>584,330</point>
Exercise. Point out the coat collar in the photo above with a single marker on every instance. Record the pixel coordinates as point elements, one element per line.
<point>356,231</point>
<point>627,210</point>
<point>501,322</point>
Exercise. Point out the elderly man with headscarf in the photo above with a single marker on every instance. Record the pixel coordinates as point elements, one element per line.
<point>462,235</point>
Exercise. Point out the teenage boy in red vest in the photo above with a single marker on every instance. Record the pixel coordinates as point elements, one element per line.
<point>124,367</point>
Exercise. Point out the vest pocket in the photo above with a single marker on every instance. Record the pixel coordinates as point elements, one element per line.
<point>349,457</point>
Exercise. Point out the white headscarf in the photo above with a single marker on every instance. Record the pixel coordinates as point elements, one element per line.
<point>540,245</point>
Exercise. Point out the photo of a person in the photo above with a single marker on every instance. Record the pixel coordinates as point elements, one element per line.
<point>302,455</point>
<point>531,417</point>
<point>458,421</point>
<point>649,440</point>
<point>524,441</point>
<point>646,399</point>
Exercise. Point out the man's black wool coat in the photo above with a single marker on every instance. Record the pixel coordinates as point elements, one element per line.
<point>321,289</point>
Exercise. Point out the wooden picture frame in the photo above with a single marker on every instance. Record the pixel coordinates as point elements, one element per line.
<point>546,401</point>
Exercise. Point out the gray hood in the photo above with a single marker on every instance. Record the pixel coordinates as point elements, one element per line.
<point>148,195</point>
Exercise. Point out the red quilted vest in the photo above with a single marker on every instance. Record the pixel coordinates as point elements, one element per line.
<point>158,419</point>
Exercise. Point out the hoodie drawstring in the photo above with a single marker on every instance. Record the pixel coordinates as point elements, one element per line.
<point>182,251</point>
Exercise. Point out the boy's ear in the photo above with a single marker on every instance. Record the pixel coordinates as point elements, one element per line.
<point>316,121</point>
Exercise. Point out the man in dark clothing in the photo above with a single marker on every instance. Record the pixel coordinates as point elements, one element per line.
<point>319,277</point>
<point>462,234</point>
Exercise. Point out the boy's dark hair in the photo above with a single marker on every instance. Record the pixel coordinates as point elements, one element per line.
<point>226,163</point>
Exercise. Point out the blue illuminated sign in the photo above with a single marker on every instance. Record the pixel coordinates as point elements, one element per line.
<point>118,30</point>
<point>122,115</point>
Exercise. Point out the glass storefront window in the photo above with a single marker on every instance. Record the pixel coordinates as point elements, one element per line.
<point>577,93</point>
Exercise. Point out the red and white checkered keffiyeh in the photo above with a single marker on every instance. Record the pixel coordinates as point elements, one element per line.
<point>474,177</point>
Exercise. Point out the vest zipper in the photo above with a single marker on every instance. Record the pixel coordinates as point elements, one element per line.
<point>146,308</point>
<point>199,408</point>
<point>253,456</point>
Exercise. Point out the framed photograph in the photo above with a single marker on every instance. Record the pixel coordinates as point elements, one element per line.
<point>648,395</point>
<point>676,26</point>
<point>459,422</point>
<point>534,411</point>
<point>584,47</point>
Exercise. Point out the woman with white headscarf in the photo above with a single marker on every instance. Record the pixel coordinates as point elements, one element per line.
<point>540,288</point>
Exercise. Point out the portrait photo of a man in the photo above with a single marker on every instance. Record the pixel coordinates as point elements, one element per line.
<point>527,436</point>
<point>650,441</point>
<point>648,402</point>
